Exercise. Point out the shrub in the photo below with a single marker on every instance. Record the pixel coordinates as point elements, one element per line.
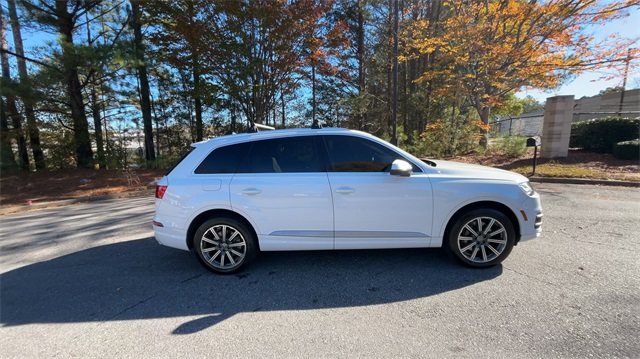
<point>511,146</point>
<point>451,137</point>
<point>627,150</point>
<point>600,135</point>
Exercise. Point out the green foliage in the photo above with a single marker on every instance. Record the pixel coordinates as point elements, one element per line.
<point>600,135</point>
<point>627,150</point>
<point>164,161</point>
<point>509,105</point>
<point>456,136</point>
<point>609,90</point>
<point>59,147</point>
<point>511,146</point>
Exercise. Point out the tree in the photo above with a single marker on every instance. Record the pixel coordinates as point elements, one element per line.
<point>63,18</point>
<point>27,101</point>
<point>490,48</point>
<point>11,107</point>
<point>256,48</point>
<point>145,102</point>
<point>609,90</point>
<point>7,160</point>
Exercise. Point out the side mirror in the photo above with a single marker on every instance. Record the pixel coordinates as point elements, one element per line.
<point>401,168</point>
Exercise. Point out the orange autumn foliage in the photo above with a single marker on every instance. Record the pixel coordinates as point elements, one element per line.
<point>485,49</point>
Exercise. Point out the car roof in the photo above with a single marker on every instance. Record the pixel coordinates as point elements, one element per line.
<point>247,137</point>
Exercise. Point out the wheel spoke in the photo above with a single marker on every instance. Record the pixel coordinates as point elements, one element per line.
<point>235,245</point>
<point>496,232</point>
<point>233,236</point>
<point>231,258</point>
<point>473,255</point>
<point>479,221</point>
<point>240,255</point>
<point>467,247</point>
<point>499,241</point>
<point>213,257</point>
<point>210,241</point>
<point>461,238</point>
<point>215,235</point>
<point>210,249</point>
<point>222,260</point>
<point>489,227</point>
<point>494,250</point>
<point>470,230</point>
<point>484,254</point>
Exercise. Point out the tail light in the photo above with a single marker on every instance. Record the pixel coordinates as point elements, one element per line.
<point>160,190</point>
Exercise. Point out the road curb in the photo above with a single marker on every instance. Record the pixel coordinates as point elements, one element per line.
<point>65,202</point>
<point>586,181</point>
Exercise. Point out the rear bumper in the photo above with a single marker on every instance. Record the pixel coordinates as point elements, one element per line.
<point>170,237</point>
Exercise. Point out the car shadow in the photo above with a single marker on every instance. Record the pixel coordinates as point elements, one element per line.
<point>141,280</point>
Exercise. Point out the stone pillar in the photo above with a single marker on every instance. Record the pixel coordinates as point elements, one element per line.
<point>558,113</point>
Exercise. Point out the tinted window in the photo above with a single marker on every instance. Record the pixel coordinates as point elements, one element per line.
<point>224,159</point>
<point>354,154</point>
<point>292,154</point>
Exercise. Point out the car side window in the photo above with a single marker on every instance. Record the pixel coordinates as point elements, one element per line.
<point>286,155</point>
<point>224,159</point>
<point>355,154</point>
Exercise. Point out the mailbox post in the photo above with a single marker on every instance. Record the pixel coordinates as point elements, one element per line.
<point>532,142</point>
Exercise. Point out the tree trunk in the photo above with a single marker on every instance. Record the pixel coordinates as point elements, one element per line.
<point>484,117</point>
<point>362,80</point>
<point>145,102</point>
<point>11,108</point>
<point>197,99</point>
<point>32,124</point>
<point>84,153</point>
<point>97,123</point>
<point>7,161</point>
<point>95,108</point>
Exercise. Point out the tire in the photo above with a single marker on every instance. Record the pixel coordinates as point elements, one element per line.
<point>224,245</point>
<point>481,238</point>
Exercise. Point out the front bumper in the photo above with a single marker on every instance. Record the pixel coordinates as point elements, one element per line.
<point>531,218</point>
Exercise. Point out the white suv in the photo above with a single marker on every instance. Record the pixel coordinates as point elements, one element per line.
<point>318,189</point>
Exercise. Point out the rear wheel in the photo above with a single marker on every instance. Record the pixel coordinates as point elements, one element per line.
<point>482,238</point>
<point>224,245</point>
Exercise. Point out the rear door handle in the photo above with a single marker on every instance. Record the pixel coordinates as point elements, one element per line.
<point>345,190</point>
<point>251,191</point>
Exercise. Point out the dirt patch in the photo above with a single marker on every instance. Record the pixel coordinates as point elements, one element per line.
<point>45,186</point>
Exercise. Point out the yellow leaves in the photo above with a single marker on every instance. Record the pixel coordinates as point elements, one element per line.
<point>490,47</point>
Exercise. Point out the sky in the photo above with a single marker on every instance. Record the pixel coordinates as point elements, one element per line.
<point>589,83</point>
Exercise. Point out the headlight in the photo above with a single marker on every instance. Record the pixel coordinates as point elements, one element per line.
<point>527,188</point>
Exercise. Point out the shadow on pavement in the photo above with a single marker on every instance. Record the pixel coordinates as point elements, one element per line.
<point>142,280</point>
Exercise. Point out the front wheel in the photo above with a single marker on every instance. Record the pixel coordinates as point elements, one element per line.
<point>482,238</point>
<point>224,245</point>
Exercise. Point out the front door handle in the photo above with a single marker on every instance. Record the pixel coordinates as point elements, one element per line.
<point>251,191</point>
<point>345,190</point>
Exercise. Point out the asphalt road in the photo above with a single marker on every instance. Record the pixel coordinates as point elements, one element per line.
<point>90,281</point>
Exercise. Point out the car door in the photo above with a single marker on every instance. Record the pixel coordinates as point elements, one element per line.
<point>283,189</point>
<point>372,208</point>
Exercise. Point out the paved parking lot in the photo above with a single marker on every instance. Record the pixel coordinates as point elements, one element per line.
<point>90,281</point>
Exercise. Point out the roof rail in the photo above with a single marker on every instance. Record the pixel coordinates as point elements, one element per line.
<point>257,127</point>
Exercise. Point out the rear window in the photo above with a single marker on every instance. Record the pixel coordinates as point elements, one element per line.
<point>224,159</point>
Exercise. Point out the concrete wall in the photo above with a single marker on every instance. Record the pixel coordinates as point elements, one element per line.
<point>588,108</point>
<point>556,131</point>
